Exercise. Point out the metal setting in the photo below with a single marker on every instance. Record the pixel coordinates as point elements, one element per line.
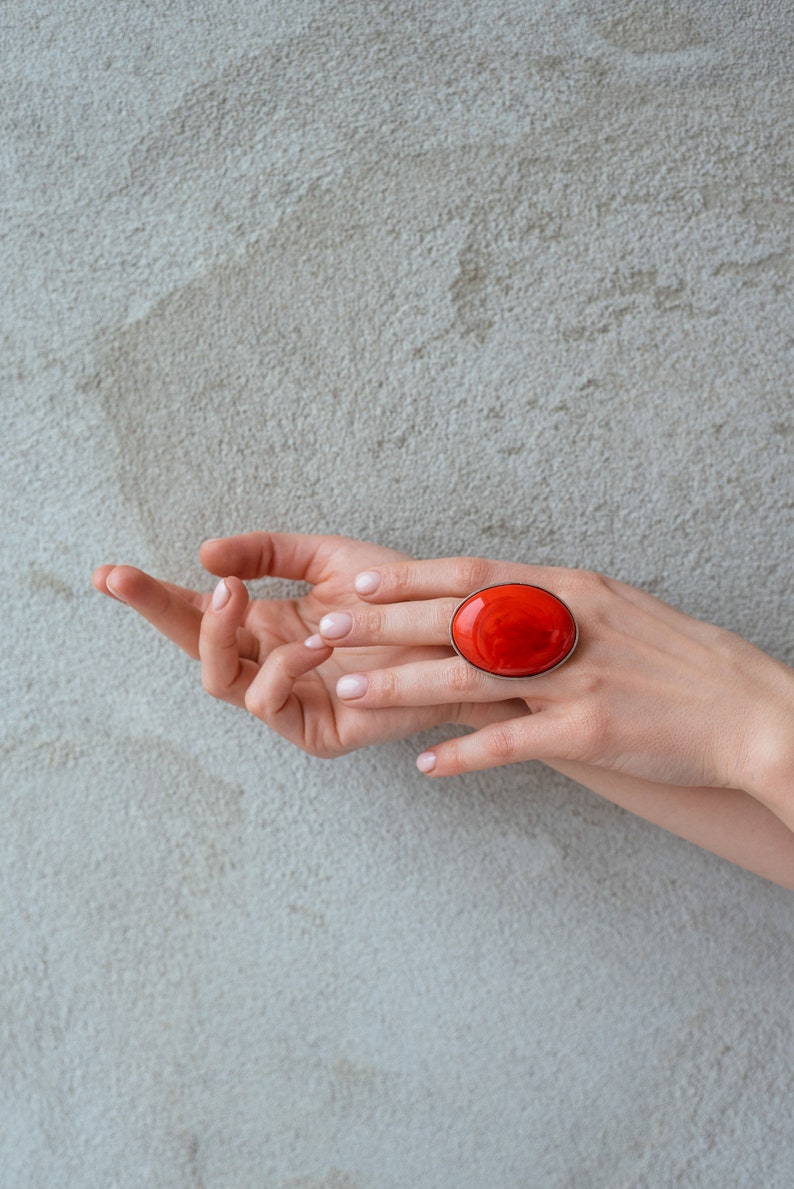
<point>501,676</point>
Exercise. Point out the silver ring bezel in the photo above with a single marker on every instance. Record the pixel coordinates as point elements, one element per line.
<point>504,676</point>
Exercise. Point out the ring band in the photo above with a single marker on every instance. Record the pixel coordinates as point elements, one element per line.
<point>514,630</point>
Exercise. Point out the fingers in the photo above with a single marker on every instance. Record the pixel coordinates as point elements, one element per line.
<point>225,674</point>
<point>544,736</point>
<point>127,579</point>
<point>451,576</point>
<point>174,611</point>
<point>426,683</point>
<point>99,579</point>
<point>411,623</point>
<point>271,695</point>
<point>261,555</point>
<point>602,605</point>
<point>605,598</point>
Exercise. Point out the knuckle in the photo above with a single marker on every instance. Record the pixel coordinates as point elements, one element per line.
<point>385,686</point>
<point>368,621</point>
<point>461,677</point>
<point>588,684</point>
<point>254,703</point>
<point>591,728</point>
<point>400,579</point>
<point>451,758</point>
<point>500,743</point>
<point>587,582</point>
<point>217,688</point>
<point>443,610</point>
<point>473,573</point>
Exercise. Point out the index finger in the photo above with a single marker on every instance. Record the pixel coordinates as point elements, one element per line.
<point>300,556</point>
<point>446,576</point>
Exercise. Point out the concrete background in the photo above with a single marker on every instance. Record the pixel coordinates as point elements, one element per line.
<point>494,277</point>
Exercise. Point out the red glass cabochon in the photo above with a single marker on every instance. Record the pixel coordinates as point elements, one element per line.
<point>513,630</point>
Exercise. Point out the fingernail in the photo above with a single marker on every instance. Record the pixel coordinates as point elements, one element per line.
<point>352,686</point>
<point>335,625</point>
<point>426,762</point>
<point>113,590</point>
<point>314,642</point>
<point>220,596</point>
<point>368,582</point>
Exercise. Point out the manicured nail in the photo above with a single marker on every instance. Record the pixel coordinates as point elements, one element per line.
<point>336,625</point>
<point>315,642</point>
<point>368,582</point>
<point>220,596</point>
<point>352,686</point>
<point>426,762</point>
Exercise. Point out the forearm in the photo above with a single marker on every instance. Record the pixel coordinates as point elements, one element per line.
<point>728,822</point>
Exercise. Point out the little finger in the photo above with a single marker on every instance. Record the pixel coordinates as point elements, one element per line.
<point>547,735</point>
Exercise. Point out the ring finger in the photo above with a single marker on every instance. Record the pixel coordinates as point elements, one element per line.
<point>428,683</point>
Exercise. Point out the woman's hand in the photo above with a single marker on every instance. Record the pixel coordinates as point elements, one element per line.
<point>254,653</point>
<point>649,692</point>
<point>648,689</point>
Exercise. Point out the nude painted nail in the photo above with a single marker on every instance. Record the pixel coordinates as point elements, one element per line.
<point>336,625</point>
<point>352,686</point>
<point>220,596</point>
<point>426,762</point>
<point>368,582</point>
<point>314,642</point>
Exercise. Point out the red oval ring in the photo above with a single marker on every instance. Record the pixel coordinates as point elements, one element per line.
<point>513,630</point>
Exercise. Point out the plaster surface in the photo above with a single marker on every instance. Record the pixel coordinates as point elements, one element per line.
<point>489,278</point>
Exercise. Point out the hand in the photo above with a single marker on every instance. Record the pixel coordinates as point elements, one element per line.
<point>253,653</point>
<point>650,692</point>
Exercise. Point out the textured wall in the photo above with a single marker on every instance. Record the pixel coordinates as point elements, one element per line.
<point>500,278</point>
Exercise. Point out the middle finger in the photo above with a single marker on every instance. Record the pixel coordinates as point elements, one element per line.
<point>225,673</point>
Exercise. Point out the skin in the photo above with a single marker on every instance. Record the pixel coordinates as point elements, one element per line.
<point>679,721</point>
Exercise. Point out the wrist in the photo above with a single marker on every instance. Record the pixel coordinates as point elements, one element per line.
<point>769,766</point>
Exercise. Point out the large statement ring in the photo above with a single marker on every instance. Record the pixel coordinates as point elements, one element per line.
<point>513,630</point>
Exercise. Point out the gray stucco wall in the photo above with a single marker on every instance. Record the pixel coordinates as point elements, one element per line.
<point>501,278</point>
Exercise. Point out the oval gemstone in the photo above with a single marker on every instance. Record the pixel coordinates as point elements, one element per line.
<point>513,630</point>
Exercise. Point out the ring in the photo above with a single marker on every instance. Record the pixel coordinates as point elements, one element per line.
<point>513,630</point>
